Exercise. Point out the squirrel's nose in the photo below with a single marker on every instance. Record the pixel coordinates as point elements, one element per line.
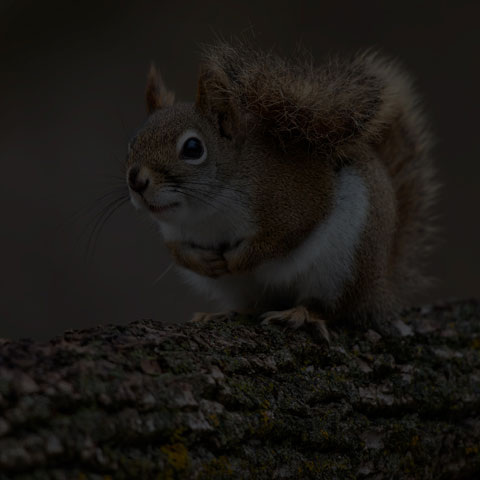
<point>136,182</point>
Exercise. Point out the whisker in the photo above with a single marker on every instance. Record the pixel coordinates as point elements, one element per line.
<point>233,203</point>
<point>221,194</point>
<point>93,223</point>
<point>224,187</point>
<point>209,195</point>
<point>195,196</point>
<point>91,206</point>
<point>169,267</point>
<point>189,193</point>
<point>100,221</point>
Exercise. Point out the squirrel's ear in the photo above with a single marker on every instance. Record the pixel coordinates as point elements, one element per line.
<point>156,93</point>
<point>213,101</point>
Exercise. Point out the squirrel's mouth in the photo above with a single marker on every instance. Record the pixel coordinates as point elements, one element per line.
<point>161,208</point>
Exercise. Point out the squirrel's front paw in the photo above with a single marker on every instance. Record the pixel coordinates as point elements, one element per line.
<point>203,261</point>
<point>239,257</point>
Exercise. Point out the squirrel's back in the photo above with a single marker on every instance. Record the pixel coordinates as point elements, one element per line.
<point>343,111</point>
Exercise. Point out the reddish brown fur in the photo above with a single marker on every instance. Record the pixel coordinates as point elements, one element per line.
<point>285,214</point>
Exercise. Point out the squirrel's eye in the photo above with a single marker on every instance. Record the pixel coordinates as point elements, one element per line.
<point>192,149</point>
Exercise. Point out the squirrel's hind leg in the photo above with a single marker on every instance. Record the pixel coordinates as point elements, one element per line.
<point>299,318</point>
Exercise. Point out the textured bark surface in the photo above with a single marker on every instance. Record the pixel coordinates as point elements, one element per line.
<point>233,399</point>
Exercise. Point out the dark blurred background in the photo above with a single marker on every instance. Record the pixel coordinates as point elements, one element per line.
<point>71,94</point>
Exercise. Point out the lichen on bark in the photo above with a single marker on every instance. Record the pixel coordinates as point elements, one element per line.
<point>235,399</point>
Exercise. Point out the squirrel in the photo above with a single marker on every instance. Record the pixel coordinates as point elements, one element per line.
<point>296,192</point>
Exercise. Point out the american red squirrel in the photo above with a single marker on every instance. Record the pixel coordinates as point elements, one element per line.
<point>298,192</point>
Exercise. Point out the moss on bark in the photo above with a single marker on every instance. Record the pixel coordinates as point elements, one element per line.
<point>234,399</point>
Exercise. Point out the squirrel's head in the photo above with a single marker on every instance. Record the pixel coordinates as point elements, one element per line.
<point>182,156</point>
<point>263,128</point>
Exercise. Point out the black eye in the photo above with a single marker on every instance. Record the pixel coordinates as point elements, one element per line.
<point>192,149</point>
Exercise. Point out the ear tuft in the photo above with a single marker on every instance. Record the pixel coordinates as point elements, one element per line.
<point>156,93</point>
<point>214,101</point>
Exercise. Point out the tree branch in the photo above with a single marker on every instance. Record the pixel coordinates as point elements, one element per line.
<point>233,399</point>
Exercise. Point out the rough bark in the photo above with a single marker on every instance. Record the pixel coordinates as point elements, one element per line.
<point>234,399</point>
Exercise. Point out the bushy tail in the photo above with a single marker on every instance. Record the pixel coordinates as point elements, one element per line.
<point>404,147</point>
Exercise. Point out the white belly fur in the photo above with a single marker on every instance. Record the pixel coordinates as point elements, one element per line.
<point>318,268</point>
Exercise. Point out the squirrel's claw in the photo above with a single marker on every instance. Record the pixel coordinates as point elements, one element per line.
<point>298,318</point>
